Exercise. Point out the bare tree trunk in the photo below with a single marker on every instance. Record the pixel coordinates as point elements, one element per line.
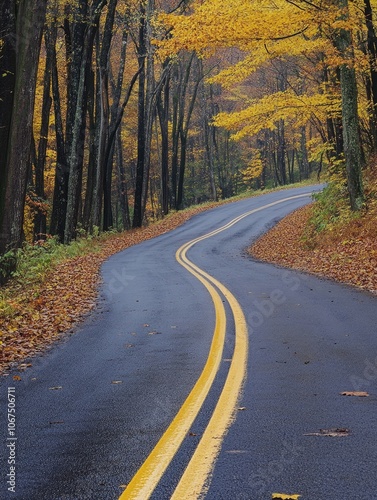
<point>77,142</point>
<point>163,114</point>
<point>40,217</point>
<point>141,129</point>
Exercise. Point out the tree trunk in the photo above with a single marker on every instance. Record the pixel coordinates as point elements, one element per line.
<point>104,168</point>
<point>59,205</point>
<point>372,53</point>
<point>40,216</point>
<point>141,129</point>
<point>163,114</point>
<point>78,130</point>
<point>27,37</point>
<point>351,138</point>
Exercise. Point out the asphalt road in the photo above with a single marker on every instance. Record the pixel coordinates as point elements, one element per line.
<point>90,411</point>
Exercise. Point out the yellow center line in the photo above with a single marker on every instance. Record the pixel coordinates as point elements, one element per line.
<point>146,479</point>
<point>194,481</point>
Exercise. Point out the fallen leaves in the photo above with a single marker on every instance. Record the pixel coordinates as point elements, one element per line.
<point>36,316</point>
<point>351,259</point>
<point>57,388</point>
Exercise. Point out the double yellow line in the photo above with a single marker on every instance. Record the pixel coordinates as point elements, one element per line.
<point>194,481</point>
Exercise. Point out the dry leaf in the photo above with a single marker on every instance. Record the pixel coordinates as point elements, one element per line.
<point>57,388</point>
<point>17,378</point>
<point>23,366</point>
<point>242,408</point>
<point>359,394</point>
<point>335,432</point>
<point>282,496</point>
<point>117,382</point>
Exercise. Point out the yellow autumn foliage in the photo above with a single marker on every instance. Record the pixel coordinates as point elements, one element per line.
<point>265,32</point>
<point>264,113</point>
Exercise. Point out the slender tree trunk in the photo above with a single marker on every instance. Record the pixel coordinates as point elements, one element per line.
<point>163,114</point>
<point>78,131</point>
<point>59,205</point>
<point>141,129</point>
<point>122,184</point>
<point>40,217</point>
<point>372,53</point>
<point>104,169</point>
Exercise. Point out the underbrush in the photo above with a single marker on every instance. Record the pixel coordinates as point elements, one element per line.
<point>33,262</point>
<point>332,220</point>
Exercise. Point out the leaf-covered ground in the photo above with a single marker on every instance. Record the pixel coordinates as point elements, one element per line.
<point>42,314</point>
<point>347,253</point>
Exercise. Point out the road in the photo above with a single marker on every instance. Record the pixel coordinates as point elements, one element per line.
<point>202,371</point>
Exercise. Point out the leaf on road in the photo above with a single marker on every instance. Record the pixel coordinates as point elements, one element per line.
<point>23,366</point>
<point>54,422</point>
<point>359,394</point>
<point>17,378</point>
<point>57,388</point>
<point>117,381</point>
<point>146,325</point>
<point>334,432</point>
<point>242,408</point>
<point>192,434</point>
<point>128,346</point>
<point>283,496</point>
<point>154,333</point>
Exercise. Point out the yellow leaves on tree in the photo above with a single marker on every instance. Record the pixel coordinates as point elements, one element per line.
<point>266,32</point>
<point>264,113</point>
<point>254,169</point>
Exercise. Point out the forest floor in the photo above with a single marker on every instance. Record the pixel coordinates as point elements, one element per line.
<point>35,315</point>
<point>348,255</point>
<point>326,239</point>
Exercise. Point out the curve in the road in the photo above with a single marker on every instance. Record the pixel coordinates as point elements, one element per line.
<point>194,480</point>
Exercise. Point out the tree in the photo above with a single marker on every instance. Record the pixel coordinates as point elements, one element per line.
<point>280,32</point>
<point>20,52</point>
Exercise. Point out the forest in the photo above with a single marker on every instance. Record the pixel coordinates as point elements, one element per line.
<point>114,113</point>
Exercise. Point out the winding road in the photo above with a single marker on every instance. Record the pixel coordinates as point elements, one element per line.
<point>202,374</point>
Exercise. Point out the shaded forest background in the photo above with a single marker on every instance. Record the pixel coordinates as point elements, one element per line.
<point>113,113</point>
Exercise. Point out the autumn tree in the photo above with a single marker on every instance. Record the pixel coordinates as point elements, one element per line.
<point>271,33</point>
